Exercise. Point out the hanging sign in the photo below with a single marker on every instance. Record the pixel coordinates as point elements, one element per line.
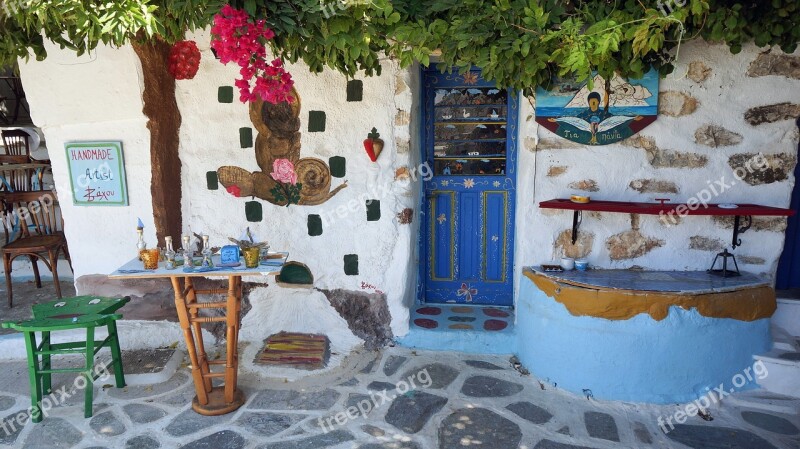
<point>596,116</point>
<point>97,173</point>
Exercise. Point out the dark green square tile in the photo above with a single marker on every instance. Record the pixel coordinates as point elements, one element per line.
<point>373,210</point>
<point>225,94</point>
<point>351,264</point>
<point>338,166</point>
<point>316,121</point>
<point>253,211</point>
<point>355,90</point>
<point>314,225</point>
<point>246,137</point>
<point>211,180</point>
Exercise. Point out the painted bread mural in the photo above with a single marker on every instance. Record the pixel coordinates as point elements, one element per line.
<point>278,141</point>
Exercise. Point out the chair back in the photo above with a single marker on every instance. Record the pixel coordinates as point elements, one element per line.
<point>27,214</point>
<point>17,146</point>
<point>17,179</point>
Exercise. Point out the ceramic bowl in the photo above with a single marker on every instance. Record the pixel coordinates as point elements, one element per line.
<point>567,263</point>
<point>579,199</point>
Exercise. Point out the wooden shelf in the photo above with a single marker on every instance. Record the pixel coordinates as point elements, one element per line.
<point>665,209</point>
<point>748,211</point>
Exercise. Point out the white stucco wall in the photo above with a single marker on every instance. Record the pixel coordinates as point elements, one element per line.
<point>99,97</point>
<point>94,97</point>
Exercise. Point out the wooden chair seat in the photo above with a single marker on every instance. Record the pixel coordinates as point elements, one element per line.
<point>36,243</point>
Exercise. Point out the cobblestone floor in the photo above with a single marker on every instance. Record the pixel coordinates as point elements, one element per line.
<point>460,401</point>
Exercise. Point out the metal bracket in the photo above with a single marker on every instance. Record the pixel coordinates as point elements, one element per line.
<point>577,218</point>
<point>738,228</point>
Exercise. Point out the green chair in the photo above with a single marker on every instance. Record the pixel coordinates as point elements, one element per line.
<point>83,312</point>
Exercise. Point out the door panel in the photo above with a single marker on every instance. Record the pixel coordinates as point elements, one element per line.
<point>442,232</point>
<point>469,135</point>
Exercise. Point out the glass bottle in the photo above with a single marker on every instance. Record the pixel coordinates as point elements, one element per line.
<point>188,253</point>
<point>207,262</point>
<point>140,244</point>
<point>169,253</point>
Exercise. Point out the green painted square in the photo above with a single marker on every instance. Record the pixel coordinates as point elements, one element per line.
<point>351,264</point>
<point>338,166</point>
<point>225,94</point>
<point>253,211</point>
<point>211,180</point>
<point>314,225</point>
<point>373,210</point>
<point>355,90</point>
<point>246,137</point>
<point>316,121</point>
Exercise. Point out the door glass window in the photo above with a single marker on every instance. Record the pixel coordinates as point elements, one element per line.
<point>469,134</point>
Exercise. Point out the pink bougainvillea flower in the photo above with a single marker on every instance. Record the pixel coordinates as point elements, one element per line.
<point>234,190</point>
<point>283,171</point>
<point>238,39</point>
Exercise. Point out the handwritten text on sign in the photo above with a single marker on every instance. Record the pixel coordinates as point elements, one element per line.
<point>97,173</point>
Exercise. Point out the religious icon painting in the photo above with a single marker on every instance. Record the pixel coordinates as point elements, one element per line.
<point>598,116</point>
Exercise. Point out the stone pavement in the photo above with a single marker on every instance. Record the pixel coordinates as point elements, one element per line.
<point>460,401</point>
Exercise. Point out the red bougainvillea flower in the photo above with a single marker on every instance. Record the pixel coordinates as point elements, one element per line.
<point>184,60</point>
<point>234,190</point>
<point>238,39</point>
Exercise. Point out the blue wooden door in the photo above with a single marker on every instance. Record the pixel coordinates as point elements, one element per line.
<point>469,136</point>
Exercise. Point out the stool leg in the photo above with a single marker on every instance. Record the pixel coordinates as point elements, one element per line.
<point>47,378</point>
<point>116,354</point>
<point>88,373</point>
<point>34,377</point>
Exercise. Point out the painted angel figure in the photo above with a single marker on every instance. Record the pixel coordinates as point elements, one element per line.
<point>595,120</point>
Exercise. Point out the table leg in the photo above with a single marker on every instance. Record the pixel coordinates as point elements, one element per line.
<point>202,357</point>
<point>225,398</point>
<point>183,317</point>
<point>232,322</point>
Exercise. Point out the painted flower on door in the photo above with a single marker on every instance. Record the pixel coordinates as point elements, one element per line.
<point>467,292</point>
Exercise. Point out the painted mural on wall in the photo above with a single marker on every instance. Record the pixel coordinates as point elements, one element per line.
<point>596,116</point>
<point>285,178</point>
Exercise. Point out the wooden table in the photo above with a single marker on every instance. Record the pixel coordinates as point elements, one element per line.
<point>210,400</point>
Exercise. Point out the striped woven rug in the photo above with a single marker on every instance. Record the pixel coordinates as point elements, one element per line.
<point>296,350</point>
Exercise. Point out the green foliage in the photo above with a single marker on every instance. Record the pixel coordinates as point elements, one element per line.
<point>290,193</point>
<point>518,43</point>
<point>81,25</point>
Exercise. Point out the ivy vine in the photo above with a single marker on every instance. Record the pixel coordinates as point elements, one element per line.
<point>518,43</point>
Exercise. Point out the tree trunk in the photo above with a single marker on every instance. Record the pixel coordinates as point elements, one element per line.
<point>164,123</point>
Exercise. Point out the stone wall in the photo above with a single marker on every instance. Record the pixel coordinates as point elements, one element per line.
<point>718,113</point>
